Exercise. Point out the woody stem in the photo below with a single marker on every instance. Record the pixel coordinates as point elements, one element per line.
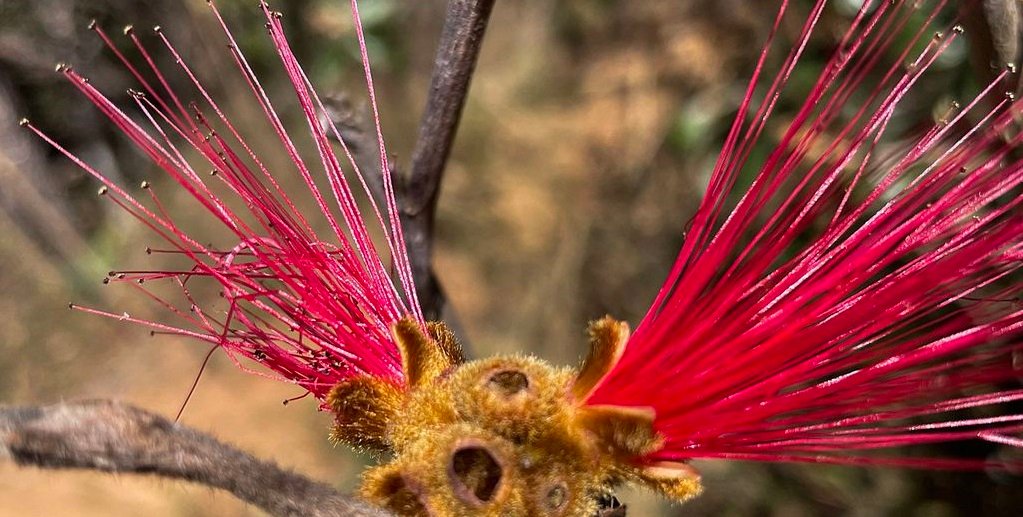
<point>114,437</point>
<point>461,39</point>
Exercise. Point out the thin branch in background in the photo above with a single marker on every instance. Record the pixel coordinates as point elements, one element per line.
<point>418,188</point>
<point>1004,28</point>
<point>461,39</point>
<point>999,30</point>
<point>114,437</point>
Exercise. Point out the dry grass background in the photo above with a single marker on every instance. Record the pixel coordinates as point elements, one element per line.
<point>585,144</point>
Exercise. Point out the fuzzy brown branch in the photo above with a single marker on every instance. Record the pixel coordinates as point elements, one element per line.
<point>113,437</point>
<point>461,39</point>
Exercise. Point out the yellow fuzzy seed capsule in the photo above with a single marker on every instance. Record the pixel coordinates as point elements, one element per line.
<point>607,344</point>
<point>446,341</point>
<point>363,409</point>
<point>423,360</point>
<point>623,432</point>
<point>388,488</point>
<point>506,436</point>
<point>676,481</point>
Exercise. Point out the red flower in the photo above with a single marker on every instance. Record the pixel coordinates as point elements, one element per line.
<point>315,309</point>
<point>855,297</point>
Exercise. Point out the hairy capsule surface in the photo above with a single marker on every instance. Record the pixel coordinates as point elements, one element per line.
<point>505,436</point>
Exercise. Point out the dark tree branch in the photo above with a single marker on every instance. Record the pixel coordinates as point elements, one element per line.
<point>418,189</point>
<point>995,31</point>
<point>113,437</point>
<point>1003,22</point>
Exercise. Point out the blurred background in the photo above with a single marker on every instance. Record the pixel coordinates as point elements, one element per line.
<point>589,134</point>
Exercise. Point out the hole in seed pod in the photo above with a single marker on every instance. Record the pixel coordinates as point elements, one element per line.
<point>475,474</point>
<point>508,382</point>
<point>607,501</point>
<point>395,491</point>
<point>556,497</point>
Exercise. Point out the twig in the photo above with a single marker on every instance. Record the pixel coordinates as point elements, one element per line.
<point>461,39</point>
<point>114,437</point>
<point>417,189</point>
<point>996,31</point>
<point>1002,18</point>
